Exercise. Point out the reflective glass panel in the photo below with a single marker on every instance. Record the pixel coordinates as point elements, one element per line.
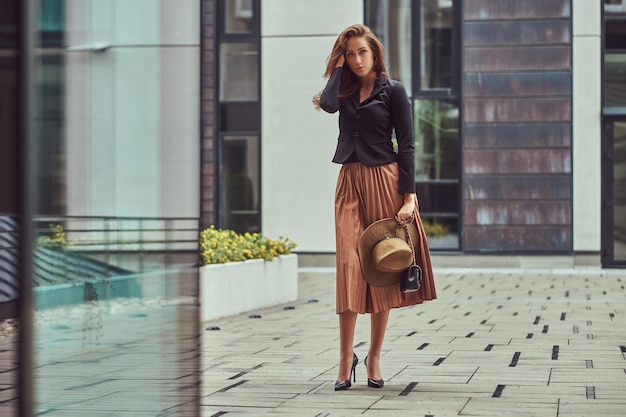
<point>619,191</point>
<point>436,139</point>
<point>391,21</point>
<point>615,80</point>
<point>115,327</point>
<point>239,16</point>
<point>239,75</point>
<point>240,173</point>
<point>436,44</point>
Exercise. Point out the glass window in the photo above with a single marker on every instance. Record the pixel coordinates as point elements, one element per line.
<point>615,53</point>
<point>239,15</point>
<point>240,174</point>
<point>619,182</point>
<point>239,123</point>
<point>391,21</point>
<point>419,43</point>
<point>615,80</point>
<point>436,139</point>
<point>239,75</point>
<point>436,44</point>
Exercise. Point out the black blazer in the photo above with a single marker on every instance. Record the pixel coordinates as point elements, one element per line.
<point>365,128</point>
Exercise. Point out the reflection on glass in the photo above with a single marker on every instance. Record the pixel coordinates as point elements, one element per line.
<point>442,231</point>
<point>619,190</point>
<point>391,21</point>
<point>436,139</point>
<point>239,77</point>
<point>615,7</point>
<point>436,47</point>
<point>240,184</point>
<point>239,15</point>
<point>615,80</point>
<point>116,220</point>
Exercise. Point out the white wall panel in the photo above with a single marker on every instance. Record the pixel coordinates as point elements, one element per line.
<point>306,17</point>
<point>298,143</point>
<point>587,120</point>
<point>179,132</point>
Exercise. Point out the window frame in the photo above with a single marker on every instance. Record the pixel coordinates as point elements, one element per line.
<point>223,37</point>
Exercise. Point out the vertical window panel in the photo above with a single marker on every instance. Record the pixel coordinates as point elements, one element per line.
<point>239,191</point>
<point>436,139</point>
<point>391,21</point>
<point>239,16</point>
<point>239,75</point>
<point>619,196</point>
<point>436,19</point>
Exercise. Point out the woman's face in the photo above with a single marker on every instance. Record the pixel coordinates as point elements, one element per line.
<point>359,56</point>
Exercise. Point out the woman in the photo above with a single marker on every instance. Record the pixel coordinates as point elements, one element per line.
<point>374,183</point>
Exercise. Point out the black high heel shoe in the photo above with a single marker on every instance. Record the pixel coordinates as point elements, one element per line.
<point>343,385</point>
<point>373,383</point>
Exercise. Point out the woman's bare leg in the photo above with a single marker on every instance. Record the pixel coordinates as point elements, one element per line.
<point>378,328</point>
<point>347,324</point>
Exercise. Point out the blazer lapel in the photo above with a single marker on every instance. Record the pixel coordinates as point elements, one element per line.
<point>381,82</point>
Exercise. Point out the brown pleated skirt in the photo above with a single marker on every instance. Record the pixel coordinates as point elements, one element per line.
<point>364,195</point>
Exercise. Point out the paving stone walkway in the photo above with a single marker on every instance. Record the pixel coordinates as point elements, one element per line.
<point>495,343</point>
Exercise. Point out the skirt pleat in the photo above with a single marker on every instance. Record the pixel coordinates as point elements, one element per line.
<point>364,195</point>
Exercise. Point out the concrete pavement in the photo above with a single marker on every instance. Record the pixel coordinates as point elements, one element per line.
<point>497,342</point>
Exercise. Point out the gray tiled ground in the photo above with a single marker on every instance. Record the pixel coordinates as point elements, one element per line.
<point>495,343</point>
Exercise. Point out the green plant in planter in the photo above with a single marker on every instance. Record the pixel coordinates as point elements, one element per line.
<point>56,239</point>
<point>220,246</point>
<point>435,229</point>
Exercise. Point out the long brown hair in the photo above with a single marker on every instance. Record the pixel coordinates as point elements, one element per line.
<point>349,81</point>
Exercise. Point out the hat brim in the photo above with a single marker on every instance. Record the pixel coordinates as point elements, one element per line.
<point>373,234</point>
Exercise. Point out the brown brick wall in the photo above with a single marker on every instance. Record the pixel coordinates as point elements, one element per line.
<point>208,85</point>
<point>517,106</point>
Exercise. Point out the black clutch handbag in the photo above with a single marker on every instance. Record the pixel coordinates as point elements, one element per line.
<point>411,279</point>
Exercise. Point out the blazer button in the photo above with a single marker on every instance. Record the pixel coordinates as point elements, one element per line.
<point>356,134</point>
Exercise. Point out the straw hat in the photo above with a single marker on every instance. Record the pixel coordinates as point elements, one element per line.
<point>384,252</point>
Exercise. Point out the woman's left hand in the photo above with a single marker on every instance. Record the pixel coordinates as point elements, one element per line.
<point>407,208</point>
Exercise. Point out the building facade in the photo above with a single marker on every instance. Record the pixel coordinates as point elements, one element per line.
<point>518,114</point>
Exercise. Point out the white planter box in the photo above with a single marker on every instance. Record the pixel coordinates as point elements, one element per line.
<point>238,287</point>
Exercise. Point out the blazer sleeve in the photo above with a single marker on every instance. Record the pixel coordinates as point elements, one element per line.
<point>329,99</point>
<point>403,124</point>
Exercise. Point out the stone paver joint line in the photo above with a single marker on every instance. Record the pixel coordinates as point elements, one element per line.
<point>242,373</point>
<point>515,359</point>
<point>498,392</point>
<point>235,385</point>
<point>408,389</point>
<point>555,352</point>
<point>439,361</point>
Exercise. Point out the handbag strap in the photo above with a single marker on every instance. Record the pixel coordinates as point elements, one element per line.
<point>405,225</point>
